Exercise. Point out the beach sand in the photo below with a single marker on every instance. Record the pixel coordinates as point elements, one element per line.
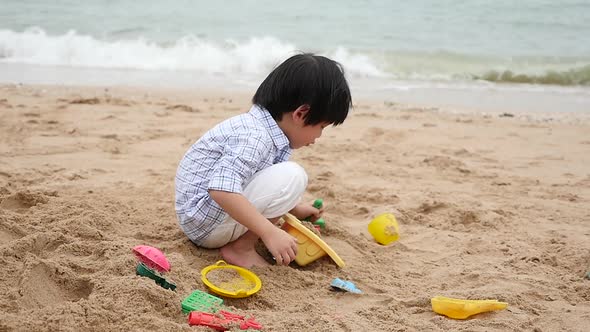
<point>490,207</point>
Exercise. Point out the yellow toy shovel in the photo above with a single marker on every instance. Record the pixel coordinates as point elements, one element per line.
<point>461,309</point>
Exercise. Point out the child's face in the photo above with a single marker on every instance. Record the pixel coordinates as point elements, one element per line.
<point>300,134</point>
<point>306,135</point>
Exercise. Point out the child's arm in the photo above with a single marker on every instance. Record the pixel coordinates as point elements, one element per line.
<point>281,245</point>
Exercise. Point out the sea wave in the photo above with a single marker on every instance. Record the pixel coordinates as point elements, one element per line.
<point>258,55</point>
<point>577,76</point>
<point>445,66</point>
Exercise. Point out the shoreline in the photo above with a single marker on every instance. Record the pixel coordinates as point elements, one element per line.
<point>385,103</point>
<point>461,96</point>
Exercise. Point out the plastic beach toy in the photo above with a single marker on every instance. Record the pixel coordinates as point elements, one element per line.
<point>384,228</point>
<point>152,258</point>
<point>222,321</point>
<point>230,280</point>
<point>309,246</point>
<point>144,271</point>
<point>461,309</point>
<point>153,261</point>
<point>347,286</point>
<point>318,203</point>
<point>201,301</point>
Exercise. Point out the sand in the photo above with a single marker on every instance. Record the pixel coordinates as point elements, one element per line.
<point>490,206</point>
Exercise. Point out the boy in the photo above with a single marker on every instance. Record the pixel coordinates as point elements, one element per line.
<point>235,182</point>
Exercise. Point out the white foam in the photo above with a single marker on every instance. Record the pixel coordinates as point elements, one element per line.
<point>255,56</point>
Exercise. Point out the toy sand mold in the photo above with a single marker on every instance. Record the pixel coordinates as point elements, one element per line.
<point>309,246</point>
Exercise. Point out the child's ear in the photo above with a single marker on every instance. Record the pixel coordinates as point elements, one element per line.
<point>300,113</point>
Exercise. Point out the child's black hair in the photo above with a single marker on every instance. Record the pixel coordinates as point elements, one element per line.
<point>306,79</point>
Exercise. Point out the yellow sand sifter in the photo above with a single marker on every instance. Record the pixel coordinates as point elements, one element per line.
<point>230,280</point>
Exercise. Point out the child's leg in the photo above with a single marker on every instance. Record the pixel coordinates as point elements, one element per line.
<point>274,191</point>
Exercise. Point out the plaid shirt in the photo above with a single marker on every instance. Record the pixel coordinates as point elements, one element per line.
<point>225,158</point>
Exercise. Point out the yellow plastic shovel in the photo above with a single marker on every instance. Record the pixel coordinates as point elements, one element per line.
<point>461,309</point>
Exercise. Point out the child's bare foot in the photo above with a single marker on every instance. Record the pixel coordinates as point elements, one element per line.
<point>247,258</point>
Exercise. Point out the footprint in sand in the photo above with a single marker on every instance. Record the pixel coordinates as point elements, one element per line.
<point>110,136</point>
<point>429,207</point>
<point>22,201</point>
<point>4,190</point>
<point>375,135</point>
<point>162,114</point>
<point>43,285</point>
<point>184,108</point>
<point>376,195</point>
<point>460,120</point>
<point>94,101</point>
<point>85,101</point>
<point>459,152</point>
<point>325,176</point>
<point>369,115</point>
<point>118,102</point>
<point>7,235</point>
<point>466,218</point>
<point>442,162</point>
<point>4,103</point>
<point>354,302</point>
<point>321,191</point>
<point>42,245</point>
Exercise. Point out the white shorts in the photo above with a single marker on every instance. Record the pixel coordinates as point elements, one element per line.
<point>274,191</point>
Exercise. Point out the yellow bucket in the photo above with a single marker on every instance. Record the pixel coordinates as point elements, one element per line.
<point>309,246</point>
<point>384,228</point>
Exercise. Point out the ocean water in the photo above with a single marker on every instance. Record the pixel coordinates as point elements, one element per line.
<point>388,46</point>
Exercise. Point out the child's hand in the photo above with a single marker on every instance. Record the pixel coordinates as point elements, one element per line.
<point>281,245</point>
<point>305,210</point>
